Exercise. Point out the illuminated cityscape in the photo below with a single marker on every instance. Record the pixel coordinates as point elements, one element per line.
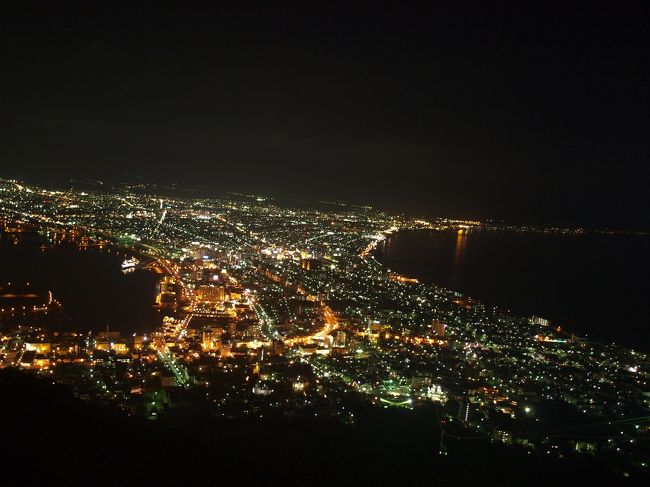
<point>274,311</point>
<point>324,243</point>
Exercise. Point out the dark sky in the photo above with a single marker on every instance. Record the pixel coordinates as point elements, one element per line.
<point>529,114</point>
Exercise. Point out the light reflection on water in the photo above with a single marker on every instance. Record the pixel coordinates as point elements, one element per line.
<point>592,284</point>
<point>459,256</point>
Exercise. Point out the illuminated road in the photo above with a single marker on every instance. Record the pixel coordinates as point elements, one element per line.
<point>267,322</point>
<point>180,372</point>
<point>165,355</point>
<point>330,324</point>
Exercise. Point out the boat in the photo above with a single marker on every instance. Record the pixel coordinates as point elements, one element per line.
<point>130,264</point>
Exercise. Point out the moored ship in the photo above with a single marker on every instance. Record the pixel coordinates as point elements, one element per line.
<point>130,264</point>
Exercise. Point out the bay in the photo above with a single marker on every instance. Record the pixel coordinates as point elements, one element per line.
<point>592,284</point>
<point>87,281</point>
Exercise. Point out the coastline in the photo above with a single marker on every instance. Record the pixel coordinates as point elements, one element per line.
<point>491,267</point>
<point>124,303</point>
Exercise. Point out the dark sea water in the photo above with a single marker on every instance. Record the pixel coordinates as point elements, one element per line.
<point>88,283</point>
<point>594,284</point>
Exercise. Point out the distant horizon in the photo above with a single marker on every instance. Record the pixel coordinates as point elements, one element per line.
<point>212,192</point>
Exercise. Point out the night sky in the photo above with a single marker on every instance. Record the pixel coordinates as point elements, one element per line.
<point>533,114</point>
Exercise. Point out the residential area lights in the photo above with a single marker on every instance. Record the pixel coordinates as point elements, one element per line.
<point>280,310</point>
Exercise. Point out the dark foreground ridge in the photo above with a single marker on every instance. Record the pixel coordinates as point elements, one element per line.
<point>51,436</point>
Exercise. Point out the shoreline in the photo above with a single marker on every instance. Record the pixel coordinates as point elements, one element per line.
<point>33,238</point>
<point>376,254</point>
